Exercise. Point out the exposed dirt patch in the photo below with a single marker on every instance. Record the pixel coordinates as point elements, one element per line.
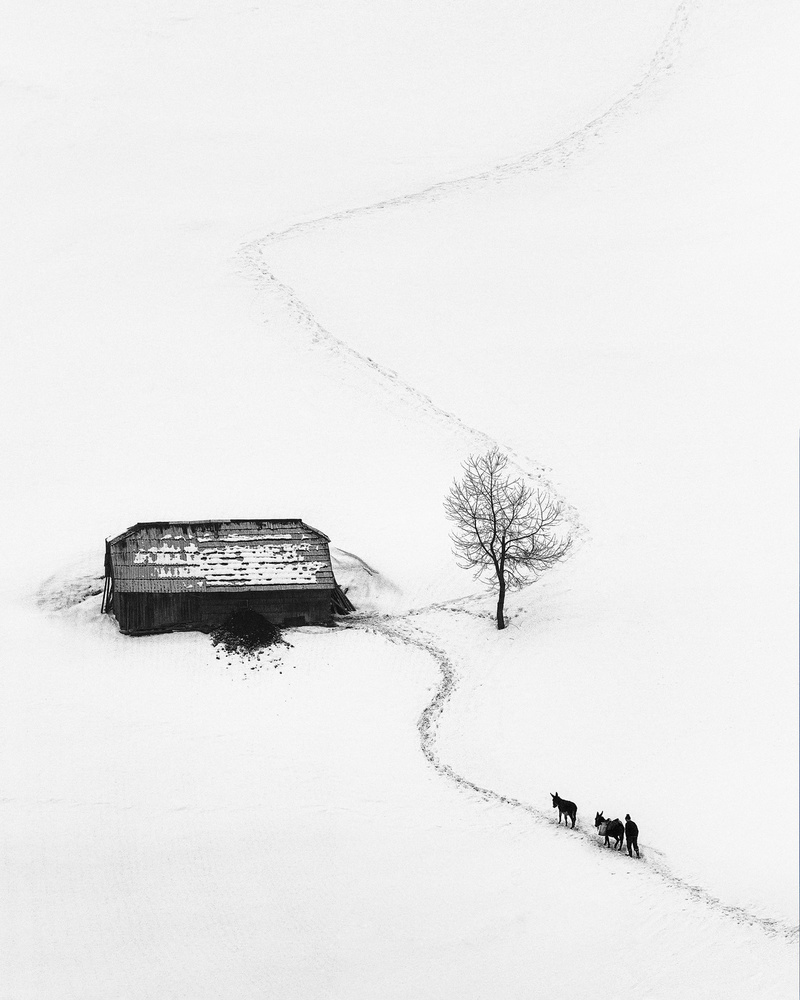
<point>247,634</point>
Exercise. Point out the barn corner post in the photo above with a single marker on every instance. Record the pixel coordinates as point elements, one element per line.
<point>108,582</point>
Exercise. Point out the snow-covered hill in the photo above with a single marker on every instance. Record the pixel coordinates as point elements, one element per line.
<point>300,262</point>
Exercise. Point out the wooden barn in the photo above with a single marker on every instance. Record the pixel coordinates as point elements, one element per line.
<point>162,576</point>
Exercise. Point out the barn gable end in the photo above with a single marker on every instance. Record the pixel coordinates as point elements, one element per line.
<point>168,575</point>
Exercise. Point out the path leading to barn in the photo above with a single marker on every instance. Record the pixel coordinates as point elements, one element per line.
<point>401,629</point>
<point>256,260</point>
<point>203,830</point>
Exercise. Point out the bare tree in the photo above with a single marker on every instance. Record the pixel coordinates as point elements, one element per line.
<point>503,525</point>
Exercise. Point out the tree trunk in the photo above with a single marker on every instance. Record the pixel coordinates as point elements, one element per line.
<point>501,599</point>
<point>500,569</point>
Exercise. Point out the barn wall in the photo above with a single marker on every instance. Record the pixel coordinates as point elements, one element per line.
<point>139,613</point>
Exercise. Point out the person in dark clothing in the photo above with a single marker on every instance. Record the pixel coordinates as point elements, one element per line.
<point>631,835</point>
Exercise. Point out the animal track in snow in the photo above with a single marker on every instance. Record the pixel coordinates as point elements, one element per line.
<point>401,630</point>
<point>254,258</point>
<point>254,255</point>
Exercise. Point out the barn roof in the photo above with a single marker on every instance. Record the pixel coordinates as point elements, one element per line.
<point>226,555</point>
<point>219,522</point>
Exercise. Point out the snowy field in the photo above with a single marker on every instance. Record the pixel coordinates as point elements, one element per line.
<point>300,260</point>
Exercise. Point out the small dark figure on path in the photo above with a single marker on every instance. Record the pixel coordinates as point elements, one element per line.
<point>565,808</point>
<point>631,835</point>
<point>610,828</point>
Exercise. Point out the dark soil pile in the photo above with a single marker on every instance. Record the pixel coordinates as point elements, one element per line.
<point>247,633</point>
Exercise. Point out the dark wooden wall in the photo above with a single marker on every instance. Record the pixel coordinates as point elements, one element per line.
<point>142,613</point>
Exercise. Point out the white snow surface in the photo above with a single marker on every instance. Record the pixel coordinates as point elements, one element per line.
<point>303,259</point>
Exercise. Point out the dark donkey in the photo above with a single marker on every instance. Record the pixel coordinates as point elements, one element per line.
<point>612,828</point>
<point>565,808</point>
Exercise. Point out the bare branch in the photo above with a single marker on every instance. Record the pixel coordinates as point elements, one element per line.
<point>503,526</point>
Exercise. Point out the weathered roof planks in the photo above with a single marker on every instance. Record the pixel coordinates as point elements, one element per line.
<point>162,575</point>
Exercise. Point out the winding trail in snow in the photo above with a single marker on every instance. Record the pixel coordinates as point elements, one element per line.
<point>558,153</point>
<point>255,263</point>
<point>254,259</point>
<point>401,630</point>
